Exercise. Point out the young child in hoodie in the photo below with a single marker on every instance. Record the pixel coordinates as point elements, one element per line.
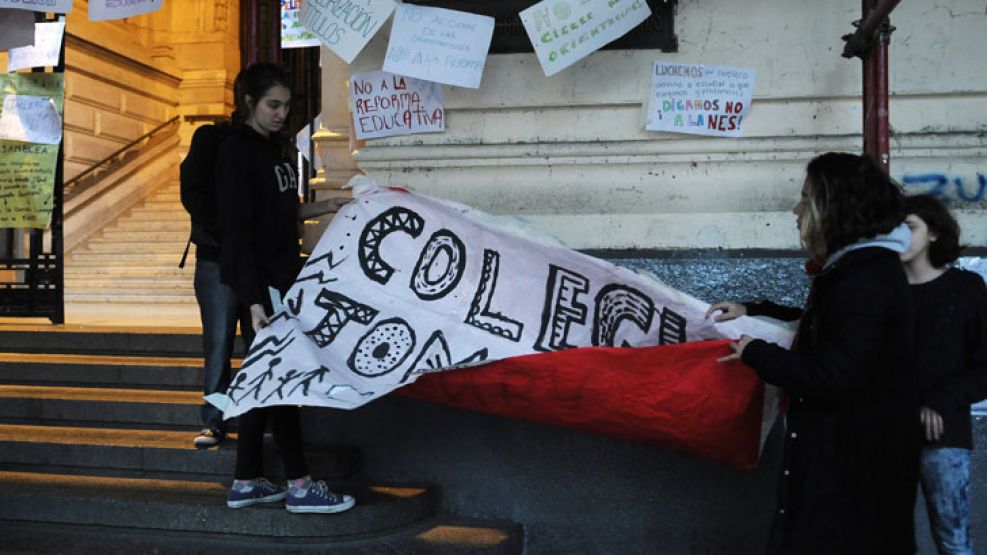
<point>951,355</point>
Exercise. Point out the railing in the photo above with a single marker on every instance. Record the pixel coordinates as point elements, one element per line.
<point>91,176</point>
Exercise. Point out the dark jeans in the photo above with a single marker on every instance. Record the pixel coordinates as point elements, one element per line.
<point>285,427</point>
<point>219,311</point>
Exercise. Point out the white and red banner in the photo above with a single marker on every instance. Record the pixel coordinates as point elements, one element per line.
<point>402,286</point>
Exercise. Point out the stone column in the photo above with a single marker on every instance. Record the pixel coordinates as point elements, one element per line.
<point>332,139</point>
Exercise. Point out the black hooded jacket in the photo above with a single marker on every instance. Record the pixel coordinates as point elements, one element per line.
<point>257,196</point>
<point>852,440</point>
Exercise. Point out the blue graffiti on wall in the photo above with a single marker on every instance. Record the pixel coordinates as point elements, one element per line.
<point>949,190</point>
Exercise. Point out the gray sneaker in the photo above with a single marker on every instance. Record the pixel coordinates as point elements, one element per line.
<point>262,492</point>
<point>317,498</point>
<point>208,438</point>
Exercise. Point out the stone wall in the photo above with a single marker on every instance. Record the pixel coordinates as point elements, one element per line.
<point>570,153</point>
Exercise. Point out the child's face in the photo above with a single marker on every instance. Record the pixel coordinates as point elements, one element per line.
<point>921,239</point>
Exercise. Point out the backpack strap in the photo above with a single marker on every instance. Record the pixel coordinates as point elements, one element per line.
<point>185,254</point>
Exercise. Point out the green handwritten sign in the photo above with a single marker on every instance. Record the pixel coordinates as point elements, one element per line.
<point>27,170</point>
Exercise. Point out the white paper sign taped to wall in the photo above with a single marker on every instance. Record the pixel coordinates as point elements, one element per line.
<point>30,119</point>
<point>566,31</point>
<point>44,52</point>
<point>699,99</point>
<point>439,45</point>
<point>384,105</point>
<point>345,26</point>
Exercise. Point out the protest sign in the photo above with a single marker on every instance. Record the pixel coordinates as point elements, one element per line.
<point>16,28</point>
<point>402,285</point>
<point>293,35</point>
<point>699,99</point>
<point>384,104</point>
<point>27,170</point>
<point>345,26</point>
<point>44,52</point>
<point>30,119</point>
<point>439,45</point>
<point>103,10</point>
<point>566,31</point>
<point>55,6</point>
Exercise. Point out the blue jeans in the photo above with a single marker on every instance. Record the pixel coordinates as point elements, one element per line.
<point>219,311</point>
<point>945,477</point>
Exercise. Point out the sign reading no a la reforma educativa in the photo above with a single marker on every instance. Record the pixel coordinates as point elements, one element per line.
<point>384,104</point>
<point>699,99</point>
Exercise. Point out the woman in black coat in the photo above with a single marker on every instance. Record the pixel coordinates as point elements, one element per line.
<point>847,482</point>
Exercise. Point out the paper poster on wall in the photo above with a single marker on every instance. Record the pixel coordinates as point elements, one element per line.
<point>699,99</point>
<point>104,10</point>
<point>439,45</point>
<point>566,31</point>
<point>16,28</point>
<point>345,27</point>
<point>30,119</point>
<point>44,52</point>
<point>384,104</point>
<point>293,35</point>
<point>27,170</point>
<point>54,6</point>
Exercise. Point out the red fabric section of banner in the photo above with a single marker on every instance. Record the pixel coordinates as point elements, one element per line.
<point>676,396</point>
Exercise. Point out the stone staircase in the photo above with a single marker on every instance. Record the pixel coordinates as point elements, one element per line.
<point>96,456</point>
<point>131,265</point>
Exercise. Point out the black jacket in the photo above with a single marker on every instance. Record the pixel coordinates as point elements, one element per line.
<point>951,350</point>
<point>198,188</point>
<point>257,196</point>
<point>850,462</point>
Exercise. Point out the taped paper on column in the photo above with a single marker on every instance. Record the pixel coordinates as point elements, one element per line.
<point>27,170</point>
<point>402,285</point>
<point>30,119</point>
<point>45,50</point>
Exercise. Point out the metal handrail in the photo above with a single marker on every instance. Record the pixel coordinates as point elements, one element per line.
<point>73,186</point>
